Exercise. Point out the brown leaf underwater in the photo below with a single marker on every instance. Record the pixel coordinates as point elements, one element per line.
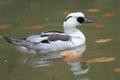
<point>106,15</point>
<point>93,10</point>
<point>100,60</point>
<point>66,13</point>
<point>1,36</point>
<point>70,55</point>
<point>103,40</point>
<point>5,26</point>
<point>33,27</point>
<point>116,70</point>
<point>98,25</point>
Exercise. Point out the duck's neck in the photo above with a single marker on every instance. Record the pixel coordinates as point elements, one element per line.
<point>74,32</point>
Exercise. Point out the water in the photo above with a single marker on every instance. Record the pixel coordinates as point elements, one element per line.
<point>100,60</point>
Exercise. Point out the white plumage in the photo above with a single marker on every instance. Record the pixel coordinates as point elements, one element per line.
<point>50,41</point>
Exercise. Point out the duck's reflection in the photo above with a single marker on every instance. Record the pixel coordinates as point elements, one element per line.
<point>78,67</point>
<point>72,57</point>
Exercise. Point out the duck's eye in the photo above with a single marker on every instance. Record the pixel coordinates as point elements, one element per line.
<point>80,19</point>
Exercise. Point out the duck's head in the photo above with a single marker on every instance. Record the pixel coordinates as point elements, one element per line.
<point>74,19</point>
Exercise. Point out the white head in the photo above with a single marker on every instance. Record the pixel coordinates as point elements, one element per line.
<point>74,19</point>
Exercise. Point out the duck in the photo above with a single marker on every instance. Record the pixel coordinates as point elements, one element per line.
<point>51,41</point>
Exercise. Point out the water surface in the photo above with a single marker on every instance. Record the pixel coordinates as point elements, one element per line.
<point>16,16</point>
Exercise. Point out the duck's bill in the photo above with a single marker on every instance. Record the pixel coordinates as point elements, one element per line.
<point>87,20</point>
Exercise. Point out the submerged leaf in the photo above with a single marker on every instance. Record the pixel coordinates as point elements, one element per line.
<point>103,40</point>
<point>33,27</point>
<point>70,55</point>
<point>5,26</point>
<point>1,36</point>
<point>108,14</point>
<point>35,5</point>
<point>66,13</point>
<point>93,10</point>
<point>101,59</point>
<point>117,69</point>
<point>97,25</point>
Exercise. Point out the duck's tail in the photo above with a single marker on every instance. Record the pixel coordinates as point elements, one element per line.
<point>21,45</point>
<point>13,41</point>
<point>20,42</point>
<point>9,40</point>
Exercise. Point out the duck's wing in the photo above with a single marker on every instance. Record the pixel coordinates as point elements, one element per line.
<point>41,38</point>
<point>42,42</point>
<point>49,36</point>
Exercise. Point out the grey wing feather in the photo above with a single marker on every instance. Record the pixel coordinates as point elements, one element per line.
<point>20,42</point>
<point>55,37</point>
<point>45,37</point>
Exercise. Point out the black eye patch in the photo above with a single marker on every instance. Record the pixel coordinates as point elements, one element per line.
<point>80,19</point>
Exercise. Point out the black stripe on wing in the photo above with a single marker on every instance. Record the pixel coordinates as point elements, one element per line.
<point>48,33</point>
<point>44,41</point>
<point>53,32</point>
